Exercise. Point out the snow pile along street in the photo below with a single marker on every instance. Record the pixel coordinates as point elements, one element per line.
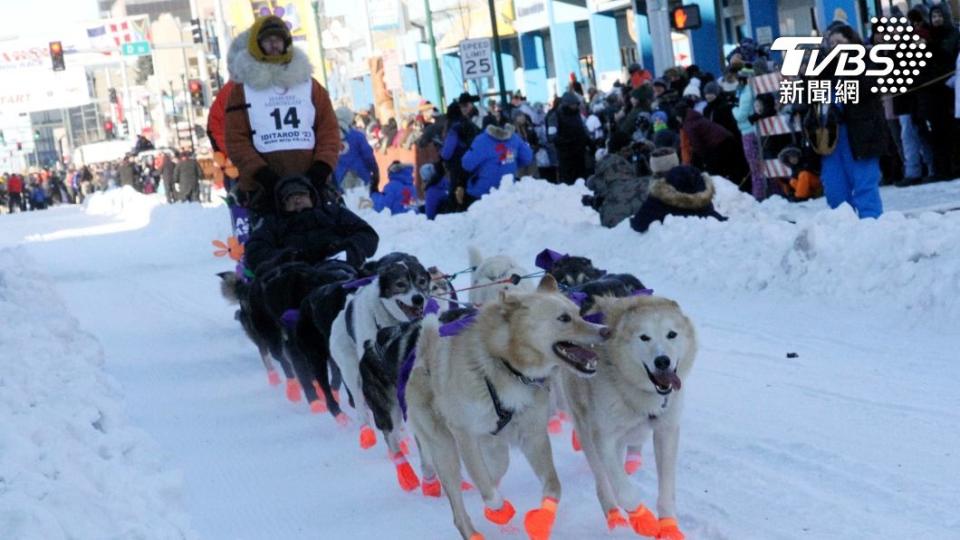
<point>71,465</point>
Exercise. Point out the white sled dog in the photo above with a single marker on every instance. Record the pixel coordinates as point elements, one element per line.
<point>472,394</point>
<point>491,269</point>
<point>636,391</point>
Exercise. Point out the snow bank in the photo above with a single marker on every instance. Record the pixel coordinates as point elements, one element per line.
<point>70,464</point>
<point>121,202</point>
<point>908,263</point>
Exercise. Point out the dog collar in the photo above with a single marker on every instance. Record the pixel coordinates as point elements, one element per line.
<point>539,382</point>
<point>504,415</point>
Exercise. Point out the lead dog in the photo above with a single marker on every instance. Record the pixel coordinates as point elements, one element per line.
<point>472,394</point>
<point>637,390</point>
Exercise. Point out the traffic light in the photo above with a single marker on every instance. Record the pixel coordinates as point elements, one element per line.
<point>36,134</point>
<point>686,17</point>
<point>56,56</point>
<point>196,30</point>
<point>113,95</point>
<point>108,128</point>
<point>196,92</point>
<point>124,128</point>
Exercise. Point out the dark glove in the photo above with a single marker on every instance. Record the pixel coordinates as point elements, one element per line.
<point>753,118</point>
<point>318,173</point>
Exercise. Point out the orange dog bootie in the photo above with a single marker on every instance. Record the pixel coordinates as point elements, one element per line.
<point>317,406</point>
<point>669,529</point>
<point>575,441</point>
<point>633,463</point>
<point>293,390</point>
<point>405,476</point>
<point>367,437</point>
<point>615,519</point>
<point>644,522</point>
<point>539,522</point>
<point>476,536</point>
<point>501,516</point>
<point>430,488</point>
<point>273,378</point>
<point>555,425</point>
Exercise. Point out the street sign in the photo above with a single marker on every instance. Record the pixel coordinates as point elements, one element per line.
<point>476,58</point>
<point>135,48</point>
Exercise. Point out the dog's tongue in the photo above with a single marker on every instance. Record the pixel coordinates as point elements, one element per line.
<point>667,379</point>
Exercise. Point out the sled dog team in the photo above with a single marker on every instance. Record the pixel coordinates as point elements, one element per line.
<point>470,379</point>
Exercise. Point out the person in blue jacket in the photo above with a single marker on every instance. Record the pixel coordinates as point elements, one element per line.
<point>494,153</point>
<point>436,188</point>
<point>357,164</point>
<point>399,195</point>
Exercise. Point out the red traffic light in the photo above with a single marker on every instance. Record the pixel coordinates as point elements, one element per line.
<point>195,87</point>
<point>108,126</point>
<point>56,47</point>
<point>56,56</point>
<point>686,17</point>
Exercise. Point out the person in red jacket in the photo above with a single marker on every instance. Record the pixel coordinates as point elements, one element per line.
<point>15,193</point>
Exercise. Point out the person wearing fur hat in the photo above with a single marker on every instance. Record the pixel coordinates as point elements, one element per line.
<point>357,164</point>
<point>682,191</point>
<point>280,121</point>
<point>496,152</point>
<point>309,229</point>
<point>399,195</point>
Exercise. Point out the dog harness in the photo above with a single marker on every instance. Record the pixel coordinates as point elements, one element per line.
<point>504,415</point>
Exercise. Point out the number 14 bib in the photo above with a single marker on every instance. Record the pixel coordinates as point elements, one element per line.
<point>281,119</point>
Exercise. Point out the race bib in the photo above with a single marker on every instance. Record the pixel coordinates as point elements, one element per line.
<point>281,119</point>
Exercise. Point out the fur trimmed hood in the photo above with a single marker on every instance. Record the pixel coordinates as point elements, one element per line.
<point>662,189</point>
<point>501,133</point>
<point>245,69</point>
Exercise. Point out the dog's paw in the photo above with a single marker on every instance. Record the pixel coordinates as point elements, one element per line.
<point>406,477</point>
<point>367,437</point>
<point>501,516</point>
<point>575,441</point>
<point>644,522</point>
<point>564,417</point>
<point>342,419</point>
<point>669,529</point>
<point>431,488</point>
<point>465,486</point>
<point>633,463</point>
<point>539,522</point>
<point>405,447</point>
<point>318,406</point>
<point>476,536</point>
<point>615,519</point>
<point>273,378</point>
<point>555,425</point>
<point>293,390</point>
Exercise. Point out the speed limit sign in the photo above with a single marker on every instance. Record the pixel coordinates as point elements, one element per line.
<point>475,58</point>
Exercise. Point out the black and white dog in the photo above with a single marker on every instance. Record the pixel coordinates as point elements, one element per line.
<point>397,294</point>
<point>263,302</point>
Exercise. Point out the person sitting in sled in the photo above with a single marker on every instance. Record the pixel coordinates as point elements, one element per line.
<point>308,228</point>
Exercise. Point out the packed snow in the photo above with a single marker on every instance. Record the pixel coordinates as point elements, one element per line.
<point>134,407</point>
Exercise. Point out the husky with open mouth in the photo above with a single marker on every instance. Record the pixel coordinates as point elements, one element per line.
<point>472,394</point>
<point>397,294</point>
<point>637,391</point>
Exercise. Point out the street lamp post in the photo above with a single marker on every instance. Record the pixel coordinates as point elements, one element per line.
<point>433,54</point>
<point>496,51</point>
<point>323,61</point>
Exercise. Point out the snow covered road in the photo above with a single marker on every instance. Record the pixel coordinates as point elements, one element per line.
<point>854,438</point>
